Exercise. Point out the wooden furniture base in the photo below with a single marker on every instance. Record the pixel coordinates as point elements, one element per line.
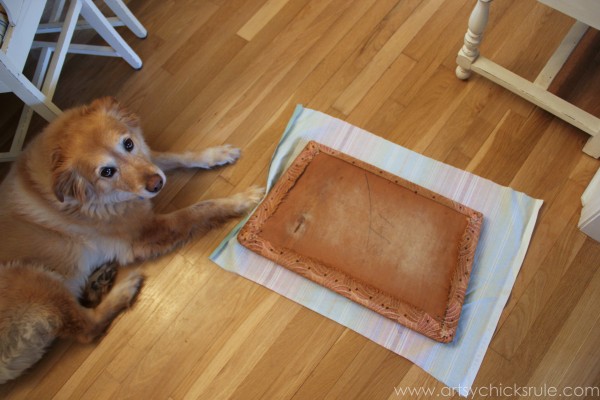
<point>386,243</point>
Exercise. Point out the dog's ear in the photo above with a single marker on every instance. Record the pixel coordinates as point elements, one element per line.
<point>128,118</point>
<point>106,103</point>
<point>111,106</point>
<point>66,181</point>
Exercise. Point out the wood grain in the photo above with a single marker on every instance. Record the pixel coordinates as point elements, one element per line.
<point>232,71</point>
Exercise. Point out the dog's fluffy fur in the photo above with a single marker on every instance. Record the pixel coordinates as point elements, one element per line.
<point>77,198</point>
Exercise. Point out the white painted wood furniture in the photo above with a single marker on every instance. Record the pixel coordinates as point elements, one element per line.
<point>586,13</point>
<point>24,24</point>
<point>589,221</point>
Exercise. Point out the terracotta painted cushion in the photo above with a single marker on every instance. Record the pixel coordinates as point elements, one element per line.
<point>386,243</point>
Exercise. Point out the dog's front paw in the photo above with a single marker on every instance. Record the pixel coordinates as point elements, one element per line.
<point>220,155</point>
<point>246,201</point>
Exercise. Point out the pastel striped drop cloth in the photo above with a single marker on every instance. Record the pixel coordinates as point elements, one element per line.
<point>509,219</point>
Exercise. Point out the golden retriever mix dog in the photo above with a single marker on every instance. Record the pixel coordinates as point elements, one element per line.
<point>77,199</point>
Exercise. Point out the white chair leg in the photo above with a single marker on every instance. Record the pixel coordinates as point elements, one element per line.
<point>470,50</point>
<point>125,15</point>
<point>27,92</point>
<point>62,46</point>
<point>57,9</point>
<point>22,128</point>
<point>592,147</point>
<point>34,100</point>
<point>27,112</point>
<point>98,21</point>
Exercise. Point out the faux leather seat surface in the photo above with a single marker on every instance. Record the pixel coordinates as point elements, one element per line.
<point>378,232</point>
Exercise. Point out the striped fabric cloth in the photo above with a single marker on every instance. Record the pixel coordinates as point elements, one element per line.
<point>509,219</point>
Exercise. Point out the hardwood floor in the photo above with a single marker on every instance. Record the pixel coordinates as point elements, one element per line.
<point>232,71</point>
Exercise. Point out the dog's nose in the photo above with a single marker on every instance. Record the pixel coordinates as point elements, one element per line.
<point>154,183</point>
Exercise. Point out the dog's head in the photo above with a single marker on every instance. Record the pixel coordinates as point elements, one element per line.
<point>99,154</point>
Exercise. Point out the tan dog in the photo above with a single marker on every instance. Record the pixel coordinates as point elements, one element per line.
<point>79,198</point>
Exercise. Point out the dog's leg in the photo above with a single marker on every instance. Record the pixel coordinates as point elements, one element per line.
<point>87,324</point>
<point>36,307</point>
<point>168,231</point>
<point>208,158</point>
<point>98,285</point>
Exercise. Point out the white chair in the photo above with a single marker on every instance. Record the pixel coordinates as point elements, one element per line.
<point>24,18</point>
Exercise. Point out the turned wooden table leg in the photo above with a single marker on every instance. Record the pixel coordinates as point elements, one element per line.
<point>470,50</point>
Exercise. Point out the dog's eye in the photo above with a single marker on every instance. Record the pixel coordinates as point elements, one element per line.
<point>108,172</point>
<point>128,144</point>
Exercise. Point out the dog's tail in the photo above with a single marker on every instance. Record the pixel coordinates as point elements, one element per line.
<point>25,332</point>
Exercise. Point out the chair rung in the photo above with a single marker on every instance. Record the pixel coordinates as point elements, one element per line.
<point>55,27</point>
<point>9,156</point>
<point>93,50</point>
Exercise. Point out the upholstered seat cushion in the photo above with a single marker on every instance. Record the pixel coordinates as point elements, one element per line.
<point>386,243</point>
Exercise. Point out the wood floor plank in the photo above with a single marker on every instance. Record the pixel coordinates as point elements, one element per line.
<point>209,37</point>
<point>233,360</point>
<point>181,347</point>
<point>284,77</point>
<point>295,343</point>
<point>385,57</point>
<point>373,38</point>
<point>413,383</point>
<point>343,19</point>
<point>551,319</point>
<point>378,95</point>
<point>505,151</point>
<point>584,371</point>
<point>435,51</point>
<point>242,72</point>
<point>425,117</point>
<point>440,24</point>
<point>525,312</point>
<point>555,217</point>
<point>359,372</point>
<point>330,368</point>
<point>381,381</point>
<point>261,18</point>
<point>568,347</point>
